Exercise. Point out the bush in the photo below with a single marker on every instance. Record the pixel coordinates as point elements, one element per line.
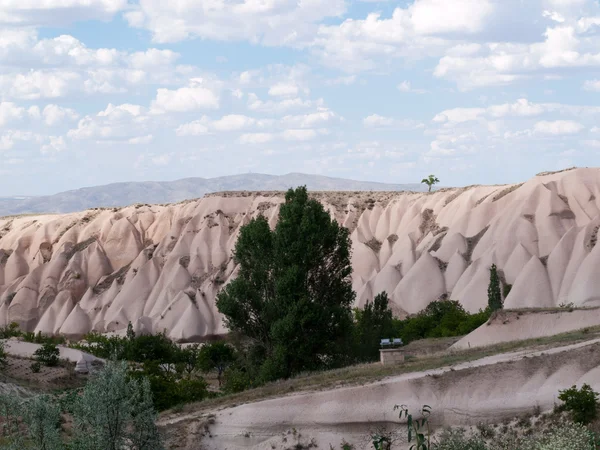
<point>9,331</point>
<point>373,323</point>
<point>39,338</point>
<point>569,436</point>
<point>456,439</point>
<point>47,354</point>
<point>236,380</point>
<point>3,356</point>
<point>216,356</point>
<point>582,403</point>
<point>36,367</point>
<point>115,412</point>
<point>442,318</point>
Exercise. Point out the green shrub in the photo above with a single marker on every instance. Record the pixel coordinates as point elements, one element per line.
<point>47,354</point>
<point>236,380</point>
<point>569,436</point>
<point>442,318</point>
<point>9,331</point>
<point>371,324</point>
<point>456,439</point>
<point>582,403</point>
<point>39,338</point>
<point>36,367</point>
<point>216,356</point>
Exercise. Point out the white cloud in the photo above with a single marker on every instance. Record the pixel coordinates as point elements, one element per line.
<point>141,140</point>
<point>59,66</point>
<point>270,106</point>
<point>592,85</point>
<point>321,117</point>
<point>119,123</point>
<point>440,16</point>
<point>452,145</point>
<point>520,108</point>
<point>228,123</point>
<point>191,98</point>
<point>377,121</point>
<point>278,22</point>
<point>55,145</point>
<point>54,114</point>
<point>458,115</point>
<point>502,63</point>
<point>53,12</point>
<point>256,138</point>
<point>558,127</point>
<point>152,58</point>
<point>195,128</point>
<point>10,112</point>
<point>284,90</point>
<point>11,137</point>
<point>299,135</point>
<point>233,122</point>
<point>37,84</point>
<point>405,86</point>
<point>162,160</point>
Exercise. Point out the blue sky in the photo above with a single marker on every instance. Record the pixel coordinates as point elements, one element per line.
<point>474,91</point>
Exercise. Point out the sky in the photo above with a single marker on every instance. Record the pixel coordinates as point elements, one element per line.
<point>473,91</point>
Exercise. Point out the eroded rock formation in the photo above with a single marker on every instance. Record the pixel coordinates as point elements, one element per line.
<point>160,267</point>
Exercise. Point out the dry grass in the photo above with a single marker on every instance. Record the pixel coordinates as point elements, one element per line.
<point>368,373</point>
<point>506,191</point>
<point>541,174</point>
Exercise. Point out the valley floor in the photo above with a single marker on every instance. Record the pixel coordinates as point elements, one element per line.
<point>483,385</point>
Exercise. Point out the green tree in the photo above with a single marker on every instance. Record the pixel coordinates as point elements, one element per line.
<point>42,417</point>
<point>430,181</point>
<point>373,323</point>
<point>293,293</point>
<point>494,294</point>
<point>130,333</point>
<point>115,412</point>
<point>582,403</point>
<point>216,356</point>
<point>47,354</point>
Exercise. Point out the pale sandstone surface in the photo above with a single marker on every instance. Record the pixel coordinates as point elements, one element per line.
<point>506,326</point>
<point>161,266</point>
<point>490,390</point>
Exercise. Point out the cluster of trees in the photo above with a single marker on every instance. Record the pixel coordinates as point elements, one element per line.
<point>291,303</point>
<point>174,372</point>
<point>113,411</point>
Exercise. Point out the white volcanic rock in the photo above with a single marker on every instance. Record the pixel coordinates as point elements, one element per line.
<point>161,266</point>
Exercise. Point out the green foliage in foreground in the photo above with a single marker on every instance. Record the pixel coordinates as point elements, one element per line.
<point>565,436</point>
<point>173,372</point>
<point>581,403</point>
<point>48,354</point>
<point>113,412</point>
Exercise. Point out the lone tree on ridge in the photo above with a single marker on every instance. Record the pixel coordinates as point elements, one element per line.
<point>430,181</point>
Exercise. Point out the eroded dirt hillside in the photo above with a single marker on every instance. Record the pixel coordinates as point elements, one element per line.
<point>161,266</point>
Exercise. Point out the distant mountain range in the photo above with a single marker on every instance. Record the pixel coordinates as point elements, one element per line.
<point>123,194</point>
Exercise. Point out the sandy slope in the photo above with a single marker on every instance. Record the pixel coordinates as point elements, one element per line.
<point>161,266</point>
<point>507,326</point>
<point>489,390</point>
